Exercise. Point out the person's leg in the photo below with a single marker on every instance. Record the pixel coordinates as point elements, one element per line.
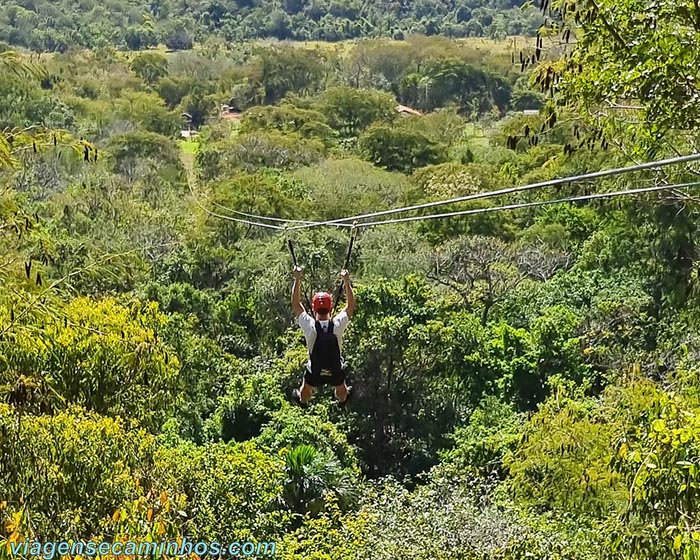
<point>341,392</point>
<point>306,392</point>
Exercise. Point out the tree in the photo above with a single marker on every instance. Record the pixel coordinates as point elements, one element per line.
<point>418,367</point>
<point>453,80</point>
<point>294,6</point>
<point>481,269</point>
<point>350,111</point>
<point>451,516</point>
<point>132,147</point>
<point>257,150</point>
<point>174,90</point>
<point>289,428</point>
<point>140,37</point>
<point>377,64</point>
<point>85,462</point>
<point>289,70</point>
<point>120,371</point>
<point>288,118</point>
<point>658,457</point>
<point>147,110</point>
<point>626,57</point>
<point>338,184</point>
<point>178,39</point>
<point>310,477</point>
<point>206,475</point>
<point>279,25</point>
<point>149,66</point>
<point>563,457</point>
<point>198,106</point>
<point>396,149</point>
<point>237,20</point>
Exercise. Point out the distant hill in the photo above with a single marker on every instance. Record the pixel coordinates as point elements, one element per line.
<point>56,25</point>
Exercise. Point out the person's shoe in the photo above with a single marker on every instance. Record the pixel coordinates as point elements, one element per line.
<point>347,398</point>
<point>296,397</point>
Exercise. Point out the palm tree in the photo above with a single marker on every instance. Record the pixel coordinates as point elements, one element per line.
<point>10,60</point>
<point>311,478</point>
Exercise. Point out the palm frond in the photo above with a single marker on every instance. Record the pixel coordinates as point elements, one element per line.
<point>15,63</point>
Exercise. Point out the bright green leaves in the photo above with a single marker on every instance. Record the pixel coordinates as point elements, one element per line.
<point>562,461</point>
<point>102,355</point>
<point>658,457</point>
<point>332,536</point>
<point>230,489</point>
<point>658,426</point>
<point>634,54</point>
<point>494,429</point>
<point>291,427</point>
<point>71,470</point>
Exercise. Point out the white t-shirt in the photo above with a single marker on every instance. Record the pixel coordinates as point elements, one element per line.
<point>308,325</point>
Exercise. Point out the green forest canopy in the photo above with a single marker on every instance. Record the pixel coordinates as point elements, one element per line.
<point>54,26</point>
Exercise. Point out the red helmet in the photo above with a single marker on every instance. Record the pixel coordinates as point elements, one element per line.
<point>322,301</point>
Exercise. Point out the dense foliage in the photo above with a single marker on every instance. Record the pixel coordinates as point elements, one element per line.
<point>56,26</point>
<point>526,380</point>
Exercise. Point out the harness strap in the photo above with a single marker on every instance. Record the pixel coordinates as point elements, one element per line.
<point>294,258</point>
<point>291,250</point>
<point>319,327</point>
<point>339,292</point>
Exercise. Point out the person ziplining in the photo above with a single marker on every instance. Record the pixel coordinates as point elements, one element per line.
<point>324,334</point>
<point>324,340</point>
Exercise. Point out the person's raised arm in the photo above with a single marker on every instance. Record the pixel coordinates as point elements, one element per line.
<point>349,294</point>
<point>297,307</point>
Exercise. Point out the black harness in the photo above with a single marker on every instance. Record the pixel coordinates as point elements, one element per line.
<point>325,355</point>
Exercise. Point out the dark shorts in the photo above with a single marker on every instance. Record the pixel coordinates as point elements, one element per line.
<point>324,378</point>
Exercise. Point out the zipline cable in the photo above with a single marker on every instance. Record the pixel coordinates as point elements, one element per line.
<point>270,218</point>
<point>510,190</point>
<point>229,218</point>
<point>246,214</point>
<point>531,204</point>
<point>342,222</point>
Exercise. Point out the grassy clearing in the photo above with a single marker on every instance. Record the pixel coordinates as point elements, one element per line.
<point>189,147</point>
<point>476,135</point>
